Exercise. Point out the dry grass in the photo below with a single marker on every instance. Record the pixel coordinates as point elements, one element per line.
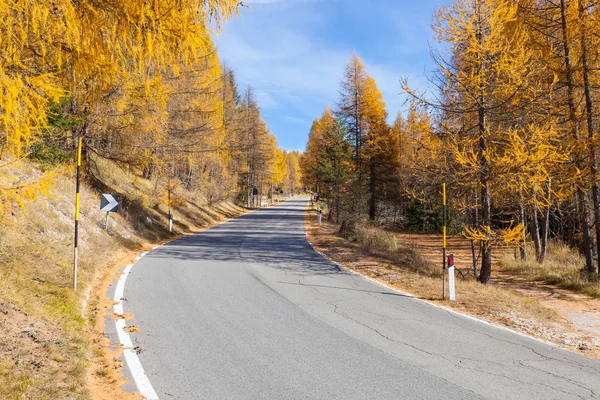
<point>373,253</point>
<point>563,267</point>
<point>384,244</point>
<point>45,343</point>
<point>381,255</point>
<point>43,351</point>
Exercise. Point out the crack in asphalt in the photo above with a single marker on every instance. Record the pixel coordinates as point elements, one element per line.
<point>543,356</point>
<point>456,360</point>
<point>346,321</point>
<point>459,362</point>
<point>335,310</point>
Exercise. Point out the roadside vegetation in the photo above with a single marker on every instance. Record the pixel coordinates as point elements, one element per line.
<point>410,263</point>
<point>376,241</point>
<point>163,124</point>
<point>562,266</point>
<point>511,130</point>
<point>51,347</point>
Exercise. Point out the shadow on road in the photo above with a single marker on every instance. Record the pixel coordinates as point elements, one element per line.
<point>272,236</point>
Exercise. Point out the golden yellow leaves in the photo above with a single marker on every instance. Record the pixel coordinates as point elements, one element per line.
<point>278,166</point>
<point>512,234</point>
<point>86,49</point>
<point>21,99</point>
<point>89,47</point>
<point>15,189</point>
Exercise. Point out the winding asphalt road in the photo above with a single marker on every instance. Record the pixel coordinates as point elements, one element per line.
<point>248,310</point>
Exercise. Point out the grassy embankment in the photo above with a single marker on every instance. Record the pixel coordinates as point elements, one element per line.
<point>49,347</point>
<point>563,267</point>
<point>404,262</point>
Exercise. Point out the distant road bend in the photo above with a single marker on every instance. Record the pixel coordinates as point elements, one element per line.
<point>248,310</point>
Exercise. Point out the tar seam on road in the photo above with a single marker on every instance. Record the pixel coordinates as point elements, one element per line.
<point>131,358</point>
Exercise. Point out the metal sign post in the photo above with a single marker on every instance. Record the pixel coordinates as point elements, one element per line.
<point>444,243</point>
<point>169,204</point>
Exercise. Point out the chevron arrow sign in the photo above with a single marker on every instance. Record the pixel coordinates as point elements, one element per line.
<point>109,203</point>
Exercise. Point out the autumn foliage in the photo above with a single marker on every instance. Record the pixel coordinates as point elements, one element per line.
<point>142,84</point>
<point>510,124</point>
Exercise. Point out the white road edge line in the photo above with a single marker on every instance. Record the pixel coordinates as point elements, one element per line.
<point>131,358</point>
<point>447,309</point>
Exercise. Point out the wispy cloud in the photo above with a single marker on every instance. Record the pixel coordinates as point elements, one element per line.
<point>294,54</point>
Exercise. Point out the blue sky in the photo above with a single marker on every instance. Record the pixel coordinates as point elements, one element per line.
<point>293,52</point>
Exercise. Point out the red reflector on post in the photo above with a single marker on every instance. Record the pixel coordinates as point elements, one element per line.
<point>451,260</point>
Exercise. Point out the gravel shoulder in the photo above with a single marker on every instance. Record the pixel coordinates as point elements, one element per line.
<point>559,316</point>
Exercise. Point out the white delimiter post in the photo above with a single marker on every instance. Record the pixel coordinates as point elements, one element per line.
<point>451,287</point>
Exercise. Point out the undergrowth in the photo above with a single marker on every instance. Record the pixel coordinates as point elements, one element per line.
<point>377,241</point>
<point>562,267</point>
<point>44,339</point>
<point>397,265</point>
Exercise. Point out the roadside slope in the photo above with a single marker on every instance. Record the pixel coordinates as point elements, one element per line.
<point>551,314</point>
<point>46,338</point>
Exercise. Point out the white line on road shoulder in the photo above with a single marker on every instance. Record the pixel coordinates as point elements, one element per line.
<point>131,358</point>
<point>447,309</point>
<point>133,362</point>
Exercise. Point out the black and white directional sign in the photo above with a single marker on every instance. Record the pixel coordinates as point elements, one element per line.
<point>109,203</point>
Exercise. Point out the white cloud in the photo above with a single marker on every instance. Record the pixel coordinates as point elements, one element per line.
<point>288,67</point>
<point>294,56</point>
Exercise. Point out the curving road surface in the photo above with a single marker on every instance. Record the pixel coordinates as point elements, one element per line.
<point>248,310</point>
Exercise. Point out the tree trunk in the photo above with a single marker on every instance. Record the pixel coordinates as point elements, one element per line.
<point>484,168</point>
<point>580,193</point>
<point>536,234</point>
<point>546,226</point>
<point>372,202</point>
<point>523,248</point>
<point>589,106</point>
<point>486,202</point>
<point>474,255</point>
<point>486,256</point>
<point>545,230</point>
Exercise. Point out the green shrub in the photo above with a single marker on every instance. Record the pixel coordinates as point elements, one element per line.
<point>55,145</point>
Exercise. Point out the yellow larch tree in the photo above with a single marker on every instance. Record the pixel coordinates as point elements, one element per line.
<point>84,50</point>
<point>381,149</point>
<point>294,175</point>
<point>363,112</point>
<point>487,73</point>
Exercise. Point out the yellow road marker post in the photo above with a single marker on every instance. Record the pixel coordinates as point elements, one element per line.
<point>444,204</point>
<point>77,204</point>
